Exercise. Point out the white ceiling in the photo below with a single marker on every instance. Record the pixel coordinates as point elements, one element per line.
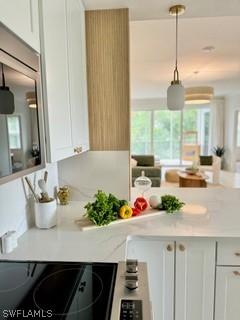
<point>152,55</point>
<point>158,9</point>
<point>152,34</point>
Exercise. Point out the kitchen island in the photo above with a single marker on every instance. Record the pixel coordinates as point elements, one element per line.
<point>193,261</point>
<point>68,242</point>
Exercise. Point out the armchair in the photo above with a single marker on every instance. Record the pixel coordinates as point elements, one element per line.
<point>213,166</point>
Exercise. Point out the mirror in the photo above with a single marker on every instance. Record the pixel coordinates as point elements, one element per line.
<point>19,130</point>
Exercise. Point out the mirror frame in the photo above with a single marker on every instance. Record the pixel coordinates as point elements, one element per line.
<point>29,66</point>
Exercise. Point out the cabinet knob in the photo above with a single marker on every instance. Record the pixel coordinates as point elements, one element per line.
<point>169,247</point>
<point>236,273</point>
<point>182,247</point>
<point>77,150</point>
<point>237,254</point>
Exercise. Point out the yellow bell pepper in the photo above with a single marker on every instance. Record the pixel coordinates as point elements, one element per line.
<point>125,212</point>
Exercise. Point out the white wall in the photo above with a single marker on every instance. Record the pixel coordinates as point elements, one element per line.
<point>148,104</point>
<point>105,170</point>
<point>15,209</point>
<point>232,153</point>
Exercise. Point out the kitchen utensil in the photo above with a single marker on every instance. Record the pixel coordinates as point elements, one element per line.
<point>43,186</point>
<point>32,189</point>
<point>45,176</point>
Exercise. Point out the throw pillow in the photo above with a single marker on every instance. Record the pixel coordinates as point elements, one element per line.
<point>133,163</point>
<point>206,160</point>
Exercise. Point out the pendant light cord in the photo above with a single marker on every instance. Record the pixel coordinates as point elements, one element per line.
<point>3,77</point>
<point>176,74</point>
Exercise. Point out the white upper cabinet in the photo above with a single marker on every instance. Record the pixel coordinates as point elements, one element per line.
<point>77,73</point>
<point>195,276</point>
<point>64,69</point>
<point>21,17</point>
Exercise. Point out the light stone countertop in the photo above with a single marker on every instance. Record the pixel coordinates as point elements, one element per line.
<point>67,242</point>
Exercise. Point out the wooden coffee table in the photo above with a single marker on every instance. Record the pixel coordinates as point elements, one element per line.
<point>187,180</point>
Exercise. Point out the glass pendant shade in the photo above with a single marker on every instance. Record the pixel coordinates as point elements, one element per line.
<point>175,96</point>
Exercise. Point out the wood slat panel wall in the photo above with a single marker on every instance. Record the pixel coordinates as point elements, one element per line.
<point>107,39</point>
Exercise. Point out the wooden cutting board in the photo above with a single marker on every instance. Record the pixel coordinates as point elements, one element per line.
<point>85,224</point>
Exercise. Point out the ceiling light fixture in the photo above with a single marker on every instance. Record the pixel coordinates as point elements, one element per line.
<point>208,49</point>
<point>175,93</point>
<point>31,100</point>
<point>198,95</point>
<point>7,105</point>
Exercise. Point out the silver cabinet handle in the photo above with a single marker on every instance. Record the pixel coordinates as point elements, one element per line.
<point>169,247</point>
<point>236,273</point>
<point>237,254</point>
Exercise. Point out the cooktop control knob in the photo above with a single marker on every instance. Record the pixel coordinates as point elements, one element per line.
<point>131,282</point>
<point>132,266</point>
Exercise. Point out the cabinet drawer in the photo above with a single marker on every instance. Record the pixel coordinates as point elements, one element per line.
<point>228,253</point>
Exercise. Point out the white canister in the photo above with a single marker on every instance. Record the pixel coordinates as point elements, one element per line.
<point>45,214</point>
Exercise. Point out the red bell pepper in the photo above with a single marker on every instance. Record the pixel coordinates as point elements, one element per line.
<point>141,203</point>
<point>135,212</point>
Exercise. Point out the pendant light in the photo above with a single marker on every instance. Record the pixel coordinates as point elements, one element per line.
<point>6,98</point>
<point>176,92</point>
<point>198,95</point>
<point>31,100</point>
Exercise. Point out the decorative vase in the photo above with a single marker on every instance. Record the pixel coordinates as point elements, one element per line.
<point>45,214</point>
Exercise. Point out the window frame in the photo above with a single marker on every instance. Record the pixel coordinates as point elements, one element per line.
<point>237,134</point>
<point>20,131</point>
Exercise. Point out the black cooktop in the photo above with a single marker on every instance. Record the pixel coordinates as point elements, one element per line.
<point>56,290</point>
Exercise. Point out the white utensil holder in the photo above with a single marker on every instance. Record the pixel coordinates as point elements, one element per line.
<point>45,214</point>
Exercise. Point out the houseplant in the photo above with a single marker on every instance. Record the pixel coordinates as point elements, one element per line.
<point>218,151</point>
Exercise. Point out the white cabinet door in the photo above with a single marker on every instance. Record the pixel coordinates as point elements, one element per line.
<point>21,17</point>
<point>159,255</point>
<point>56,93</point>
<point>227,305</point>
<point>65,92</point>
<point>77,73</point>
<point>195,276</point>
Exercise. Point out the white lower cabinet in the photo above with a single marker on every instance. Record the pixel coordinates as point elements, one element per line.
<point>195,277</point>
<point>159,255</point>
<point>227,305</point>
<point>181,276</point>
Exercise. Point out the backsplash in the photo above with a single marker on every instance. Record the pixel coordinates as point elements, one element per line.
<point>15,208</point>
<point>105,170</point>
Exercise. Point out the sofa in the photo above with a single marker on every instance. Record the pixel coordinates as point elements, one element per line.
<point>146,163</point>
<point>212,164</point>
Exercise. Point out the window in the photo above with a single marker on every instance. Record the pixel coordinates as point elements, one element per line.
<point>238,129</point>
<point>141,132</point>
<point>197,120</point>
<point>161,132</point>
<point>166,135</point>
<point>14,132</point>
